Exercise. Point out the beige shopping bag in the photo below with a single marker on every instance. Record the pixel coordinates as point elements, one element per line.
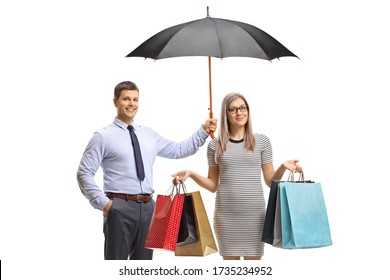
<point>206,243</point>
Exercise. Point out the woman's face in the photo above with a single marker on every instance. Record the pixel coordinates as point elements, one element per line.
<point>237,113</point>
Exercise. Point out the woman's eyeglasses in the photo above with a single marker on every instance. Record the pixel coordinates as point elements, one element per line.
<point>234,110</point>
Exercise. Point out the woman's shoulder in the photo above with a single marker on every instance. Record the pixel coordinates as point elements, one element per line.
<point>260,137</point>
<point>262,141</point>
<point>264,147</point>
<point>212,144</point>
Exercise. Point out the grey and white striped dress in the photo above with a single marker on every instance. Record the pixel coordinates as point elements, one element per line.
<point>239,202</point>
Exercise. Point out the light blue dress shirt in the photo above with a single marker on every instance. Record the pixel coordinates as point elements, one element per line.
<point>111,149</point>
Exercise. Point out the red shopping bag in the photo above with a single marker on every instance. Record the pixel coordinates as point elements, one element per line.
<point>165,223</point>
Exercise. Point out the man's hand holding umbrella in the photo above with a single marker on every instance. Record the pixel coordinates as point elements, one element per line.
<point>210,125</point>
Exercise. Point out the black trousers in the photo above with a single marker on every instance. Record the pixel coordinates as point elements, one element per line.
<point>125,230</point>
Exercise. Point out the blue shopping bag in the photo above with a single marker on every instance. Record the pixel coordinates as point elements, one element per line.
<point>304,218</point>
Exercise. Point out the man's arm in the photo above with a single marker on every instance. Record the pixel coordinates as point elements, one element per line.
<point>88,167</point>
<point>175,150</point>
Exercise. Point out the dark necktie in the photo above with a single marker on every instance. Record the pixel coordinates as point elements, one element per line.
<point>137,153</point>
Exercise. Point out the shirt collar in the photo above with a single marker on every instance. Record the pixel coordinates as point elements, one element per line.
<point>124,125</point>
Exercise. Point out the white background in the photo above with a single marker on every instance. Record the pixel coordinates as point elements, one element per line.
<point>60,61</point>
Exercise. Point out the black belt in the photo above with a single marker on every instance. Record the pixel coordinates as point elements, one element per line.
<point>135,197</point>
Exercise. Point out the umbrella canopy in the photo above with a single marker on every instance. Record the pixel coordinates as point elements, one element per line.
<point>212,37</point>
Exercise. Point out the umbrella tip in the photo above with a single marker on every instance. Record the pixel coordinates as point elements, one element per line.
<point>208,11</point>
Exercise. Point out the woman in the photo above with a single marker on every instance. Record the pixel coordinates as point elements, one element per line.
<point>237,160</point>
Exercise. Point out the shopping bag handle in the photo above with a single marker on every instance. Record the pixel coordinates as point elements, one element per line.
<point>291,177</point>
<point>181,186</point>
<point>301,178</point>
<point>176,189</point>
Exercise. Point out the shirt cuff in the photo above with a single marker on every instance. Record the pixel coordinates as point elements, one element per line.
<point>203,132</point>
<point>103,202</point>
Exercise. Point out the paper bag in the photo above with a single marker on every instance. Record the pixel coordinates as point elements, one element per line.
<point>206,243</point>
<point>304,219</point>
<point>165,222</point>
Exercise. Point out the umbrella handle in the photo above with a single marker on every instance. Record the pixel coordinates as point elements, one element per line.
<point>210,93</point>
<point>211,133</point>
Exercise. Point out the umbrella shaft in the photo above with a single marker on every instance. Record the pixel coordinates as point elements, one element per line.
<point>211,97</point>
<point>210,89</point>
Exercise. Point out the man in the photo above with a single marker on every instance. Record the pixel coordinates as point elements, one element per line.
<point>126,199</point>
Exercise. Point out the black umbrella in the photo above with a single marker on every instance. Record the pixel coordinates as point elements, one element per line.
<point>212,37</point>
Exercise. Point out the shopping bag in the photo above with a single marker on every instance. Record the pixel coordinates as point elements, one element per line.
<point>205,244</point>
<point>272,223</point>
<point>187,231</point>
<point>272,230</point>
<point>304,220</point>
<point>165,222</point>
<point>277,241</point>
<point>269,221</point>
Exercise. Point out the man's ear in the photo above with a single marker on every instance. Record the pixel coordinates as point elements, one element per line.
<point>114,101</point>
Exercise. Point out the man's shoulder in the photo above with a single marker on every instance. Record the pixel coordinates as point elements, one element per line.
<point>145,129</point>
<point>108,129</point>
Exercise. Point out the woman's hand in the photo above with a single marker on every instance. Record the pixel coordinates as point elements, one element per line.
<point>293,165</point>
<point>180,177</point>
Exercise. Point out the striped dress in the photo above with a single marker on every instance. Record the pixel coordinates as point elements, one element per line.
<point>239,202</point>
